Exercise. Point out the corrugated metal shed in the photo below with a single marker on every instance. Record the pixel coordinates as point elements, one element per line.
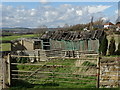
<point>73,40</point>
<point>72,35</point>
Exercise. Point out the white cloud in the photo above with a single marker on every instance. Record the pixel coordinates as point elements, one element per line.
<point>104,18</point>
<point>32,13</point>
<point>95,9</point>
<point>49,15</point>
<point>116,11</point>
<point>79,12</point>
<point>43,1</point>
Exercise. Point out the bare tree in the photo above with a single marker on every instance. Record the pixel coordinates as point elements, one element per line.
<point>41,30</point>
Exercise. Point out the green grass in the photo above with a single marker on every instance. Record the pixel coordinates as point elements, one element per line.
<point>25,85</point>
<point>5,46</point>
<point>8,38</point>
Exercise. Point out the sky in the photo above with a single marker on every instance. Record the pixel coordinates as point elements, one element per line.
<point>54,14</point>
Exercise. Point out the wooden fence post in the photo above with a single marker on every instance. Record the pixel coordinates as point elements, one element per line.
<point>39,56</point>
<point>98,72</point>
<point>9,69</point>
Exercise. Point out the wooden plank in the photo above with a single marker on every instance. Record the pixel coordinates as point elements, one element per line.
<point>26,56</point>
<point>26,64</point>
<point>37,76</point>
<point>46,45</point>
<point>98,73</point>
<point>72,58</point>
<point>21,71</point>
<point>52,80</point>
<point>47,65</point>
<point>18,78</point>
<point>58,57</point>
<point>53,65</point>
<point>78,74</point>
<point>81,58</point>
<point>81,82</point>
<point>39,72</point>
<point>9,69</point>
<point>78,78</point>
<point>19,75</point>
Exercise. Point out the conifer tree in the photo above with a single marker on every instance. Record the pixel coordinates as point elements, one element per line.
<point>112,46</point>
<point>103,46</point>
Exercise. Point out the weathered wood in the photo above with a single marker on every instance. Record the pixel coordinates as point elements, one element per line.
<point>56,57</point>
<point>39,72</point>
<point>38,65</point>
<point>18,78</point>
<point>37,76</point>
<point>21,71</point>
<point>9,69</point>
<point>19,75</point>
<point>26,64</point>
<point>78,78</point>
<point>75,82</point>
<point>52,65</point>
<point>25,56</point>
<point>72,58</point>
<point>98,72</point>
<point>82,82</point>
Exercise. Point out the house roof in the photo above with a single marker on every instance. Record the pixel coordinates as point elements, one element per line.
<point>73,35</point>
<point>109,23</point>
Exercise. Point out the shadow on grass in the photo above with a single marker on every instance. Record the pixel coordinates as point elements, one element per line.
<point>47,84</point>
<point>20,84</point>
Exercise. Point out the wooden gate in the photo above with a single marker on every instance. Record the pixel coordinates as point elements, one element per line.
<point>59,72</point>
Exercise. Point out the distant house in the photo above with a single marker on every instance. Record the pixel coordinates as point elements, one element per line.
<point>118,26</point>
<point>108,25</point>
<point>98,26</point>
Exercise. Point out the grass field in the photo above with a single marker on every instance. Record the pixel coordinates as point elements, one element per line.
<point>8,38</point>
<point>6,47</point>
